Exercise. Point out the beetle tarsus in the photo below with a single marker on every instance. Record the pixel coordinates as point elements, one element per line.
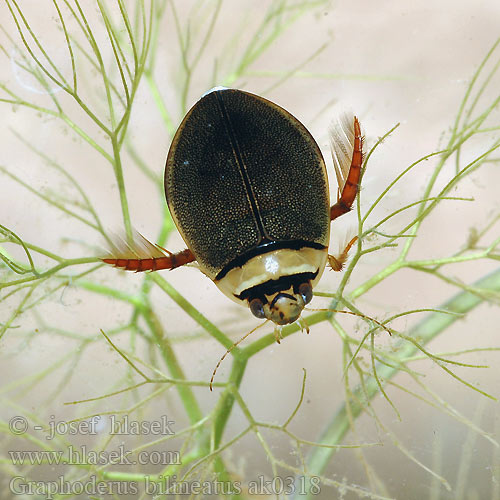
<point>303,325</point>
<point>337,263</point>
<point>277,333</point>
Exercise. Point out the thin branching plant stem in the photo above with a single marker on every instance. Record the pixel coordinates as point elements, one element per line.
<point>120,42</point>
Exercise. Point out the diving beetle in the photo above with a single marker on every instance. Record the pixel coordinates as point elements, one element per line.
<point>247,188</point>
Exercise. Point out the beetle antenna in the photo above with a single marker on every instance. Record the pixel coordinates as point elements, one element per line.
<point>231,348</point>
<point>352,313</point>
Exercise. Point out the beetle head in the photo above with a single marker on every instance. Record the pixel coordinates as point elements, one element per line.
<point>282,307</point>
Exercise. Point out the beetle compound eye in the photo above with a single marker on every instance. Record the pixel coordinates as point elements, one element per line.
<point>306,291</point>
<point>257,308</point>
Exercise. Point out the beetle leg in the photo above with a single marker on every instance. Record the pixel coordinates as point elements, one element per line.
<point>277,333</point>
<point>337,263</point>
<point>303,325</point>
<point>141,255</point>
<point>347,138</point>
<point>169,261</point>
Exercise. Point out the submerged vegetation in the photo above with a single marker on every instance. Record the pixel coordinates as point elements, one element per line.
<point>114,46</point>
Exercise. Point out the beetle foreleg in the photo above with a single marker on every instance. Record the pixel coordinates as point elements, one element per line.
<point>347,138</point>
<point>337,263</point>
<point>277,333</point>
<point>303,325</point>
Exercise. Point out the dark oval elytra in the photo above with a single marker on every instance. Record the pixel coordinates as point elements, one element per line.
<point>242,173</point>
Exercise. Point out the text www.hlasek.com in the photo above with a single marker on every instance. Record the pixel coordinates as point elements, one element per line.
<point>82,456</point>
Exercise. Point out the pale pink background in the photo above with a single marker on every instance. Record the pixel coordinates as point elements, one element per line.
<point>402,61</point>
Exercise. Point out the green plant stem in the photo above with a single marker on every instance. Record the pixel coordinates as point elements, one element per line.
<point>226,401</point>
<point>160,103</point>
<point>52,270</point>
<point>185,392</point>
<point>270,338</point>
<point>117,164</point>
<point>425,331</point>
<point>194,313</point>
<point>223,476</point>
<point>375,280</point>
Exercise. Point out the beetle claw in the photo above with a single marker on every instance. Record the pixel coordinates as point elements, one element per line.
<point>277,333</point>
<point>334,263</point>
<point>303,325</point>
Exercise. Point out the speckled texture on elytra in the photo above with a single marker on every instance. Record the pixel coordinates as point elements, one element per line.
<point>229,135</point>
